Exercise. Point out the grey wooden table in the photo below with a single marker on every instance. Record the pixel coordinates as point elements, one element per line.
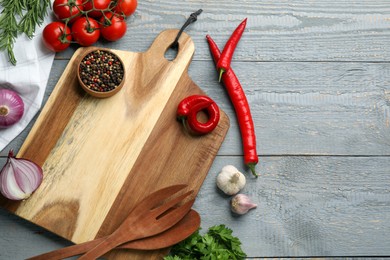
<point>317,77</point>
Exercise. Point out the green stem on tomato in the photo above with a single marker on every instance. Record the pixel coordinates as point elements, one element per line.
<point>85,13</point>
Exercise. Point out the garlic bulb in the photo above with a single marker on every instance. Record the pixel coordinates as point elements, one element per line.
<point>19,178</point>
<point>230,180</point>
<point>241,204</point>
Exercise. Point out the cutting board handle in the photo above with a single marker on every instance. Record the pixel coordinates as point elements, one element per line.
<point>163,42</point>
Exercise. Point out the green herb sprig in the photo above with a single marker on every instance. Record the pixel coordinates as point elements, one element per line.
<point>17,17</point>
<point>217,243</point>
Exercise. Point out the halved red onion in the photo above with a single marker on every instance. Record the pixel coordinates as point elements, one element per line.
<point>19,178</point>
<point>11,108</point>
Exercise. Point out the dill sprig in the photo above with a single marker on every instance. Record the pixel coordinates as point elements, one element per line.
<point>18,17</point>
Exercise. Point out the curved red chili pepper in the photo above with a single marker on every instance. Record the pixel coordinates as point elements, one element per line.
<point>185,105</point>
<point>213,113</point>
<point>241,106</point>
<point>188,109</point>
<point>223,63</point>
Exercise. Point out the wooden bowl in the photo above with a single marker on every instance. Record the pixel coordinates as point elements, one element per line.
<point>102,77</point>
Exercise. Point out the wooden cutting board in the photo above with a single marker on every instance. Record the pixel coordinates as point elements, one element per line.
<point>101,156</point>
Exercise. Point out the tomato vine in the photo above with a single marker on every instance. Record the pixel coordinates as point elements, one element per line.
<point>99,18</point>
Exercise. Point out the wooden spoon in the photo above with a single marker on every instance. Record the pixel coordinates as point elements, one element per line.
<point>150,217</point>
<point>183,229</point>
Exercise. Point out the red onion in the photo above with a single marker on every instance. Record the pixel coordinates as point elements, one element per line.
<point>11,108</point>
<point>19,178</point>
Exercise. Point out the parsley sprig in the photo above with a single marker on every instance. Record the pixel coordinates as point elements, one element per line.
<point>217,243</point>
<point>17,17</point>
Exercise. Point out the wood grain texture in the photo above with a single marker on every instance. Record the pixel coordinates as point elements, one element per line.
<point>189,224</point>
<point>325,108</point>
<point>317,77</point>
<point>307,206</point>
<point>276,30</point>
<point>95,161</point>
<point>312,108</point>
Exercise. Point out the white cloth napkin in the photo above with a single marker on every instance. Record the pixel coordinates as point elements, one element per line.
<point>29,78</point>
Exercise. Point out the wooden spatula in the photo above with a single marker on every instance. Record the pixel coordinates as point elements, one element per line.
<point>183,229</point>
<point>151,216</point>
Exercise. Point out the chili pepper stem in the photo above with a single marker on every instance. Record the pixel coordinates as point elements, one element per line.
<point>252,168</point>
<point>183,119</point>
<point>221,71</point>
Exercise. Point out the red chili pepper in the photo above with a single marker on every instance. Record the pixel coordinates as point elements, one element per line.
<point>241,106</point>
<point>223,63</point>
<point>186,104</point>
<point>189,108</point>
<point>213,114</point>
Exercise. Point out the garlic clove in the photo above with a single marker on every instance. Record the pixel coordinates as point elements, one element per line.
<point>229,168</point>
<point>241,204</point>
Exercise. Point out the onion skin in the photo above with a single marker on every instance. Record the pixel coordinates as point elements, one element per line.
<point>19,178</point>
<point>11,108</point>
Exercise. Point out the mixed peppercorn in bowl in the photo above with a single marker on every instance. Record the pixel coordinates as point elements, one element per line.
<point>101,73</point>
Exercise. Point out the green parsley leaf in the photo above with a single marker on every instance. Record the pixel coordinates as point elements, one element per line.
<point>217,243</point>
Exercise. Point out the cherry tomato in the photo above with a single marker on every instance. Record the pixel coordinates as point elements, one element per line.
<point>85,31</point>
<point>97,6</point>
<point>56,36</point>
<point>126,7</point>
<point>64,9</point>
<point>113,26</point>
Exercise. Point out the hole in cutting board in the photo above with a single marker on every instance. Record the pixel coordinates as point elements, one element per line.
<point>171,53</point>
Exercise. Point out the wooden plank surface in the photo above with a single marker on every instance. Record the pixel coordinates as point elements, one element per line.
<point>277,30</point>
<point>317,77</point>
<point>309,206</point>
<point>325,108</point>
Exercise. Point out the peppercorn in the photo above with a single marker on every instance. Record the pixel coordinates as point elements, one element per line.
<point>101,71</point>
